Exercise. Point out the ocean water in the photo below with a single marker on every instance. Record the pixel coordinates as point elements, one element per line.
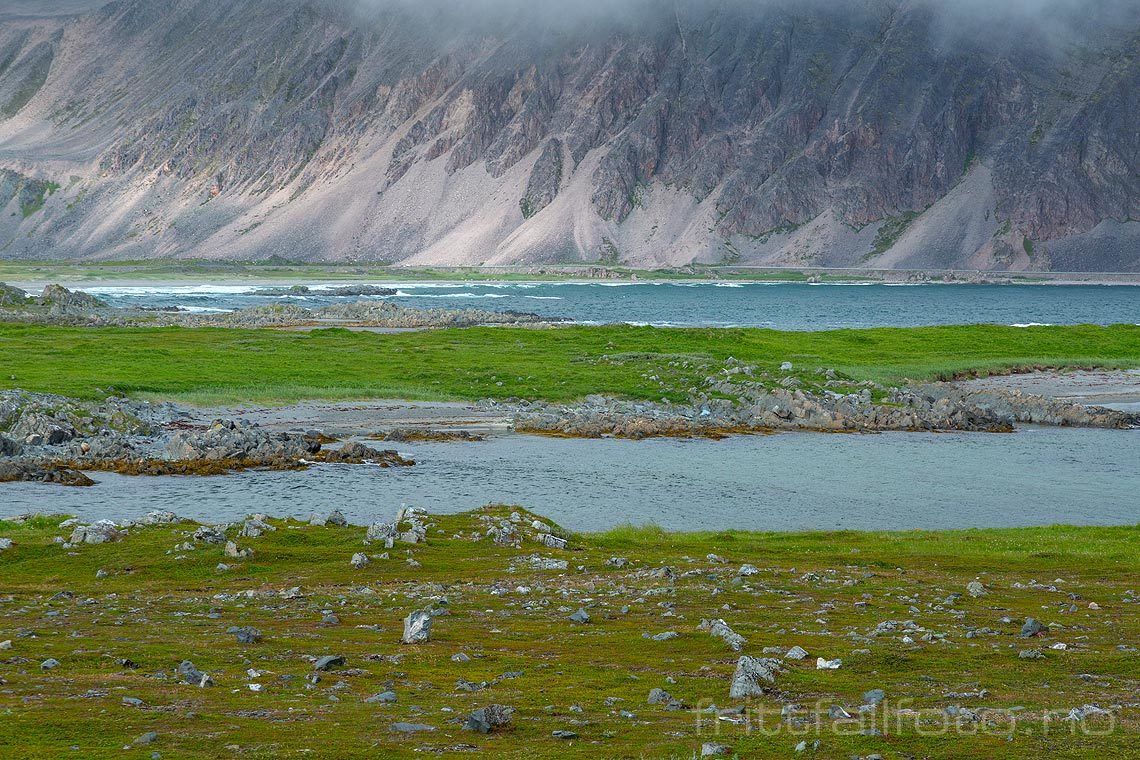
<point>784,306</point>
<point>789,481</point>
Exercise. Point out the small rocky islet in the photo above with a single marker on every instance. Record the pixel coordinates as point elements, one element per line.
<point>60,306</point>
<point>53,439</point>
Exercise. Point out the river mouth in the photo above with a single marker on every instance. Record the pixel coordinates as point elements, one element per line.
<point>787,482</point>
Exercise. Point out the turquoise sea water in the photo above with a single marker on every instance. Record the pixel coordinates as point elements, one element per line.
<point>784,306</point>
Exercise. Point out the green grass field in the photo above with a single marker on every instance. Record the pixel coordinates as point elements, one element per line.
<point>156,606</point>
<point>564,363</point>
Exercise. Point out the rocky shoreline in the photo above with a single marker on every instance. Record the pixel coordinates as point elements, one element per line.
<point>53,439</point>
<point>59,306</point>
<point>756,408</point>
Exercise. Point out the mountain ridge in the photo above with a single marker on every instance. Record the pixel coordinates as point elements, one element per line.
<point>881,134</point>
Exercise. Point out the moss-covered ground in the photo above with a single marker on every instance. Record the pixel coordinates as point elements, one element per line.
<point>157,605</point>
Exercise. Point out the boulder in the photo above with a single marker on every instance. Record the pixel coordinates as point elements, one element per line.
<point>62,299</point>
<point>487,719</point>
<point>752,677</point>
<point>102,532</point>
<point>417,627</point>
<point>12,296</point>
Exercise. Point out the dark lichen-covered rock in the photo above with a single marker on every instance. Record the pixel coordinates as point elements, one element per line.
<point>15,471</point>
<point>12,296</point>
<point>230,440</point>
<point>60,298</point>
<point>358,453</point>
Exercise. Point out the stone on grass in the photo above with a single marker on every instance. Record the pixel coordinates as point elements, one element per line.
<point>102,532</point>
<point>417,627</point>
<point>822,664</point>
<point>209,535</point>
<point>874,696</point>
<point>5,544</point>
<point>49,664</point>
<point>563,734</point>
<point>581,616</point>
<point>1032,628</point>
<point>384,698</point>
<point>486,719</point>
<point>328,662</point>
<point>752,675</point>
<point>191,675</point>
<point>245,634</point>
<point>713,749</point>
<point>150,737</point>
<point>232,551</point>
<point>554,542</point>
<point>659,697</point>
<point>976,589</point>
<point>721,630</point>
<point>796,653</point>
<point>334,519</point>
<point>359,560</point>
<point>1030,654</point>
<point>410,728</point>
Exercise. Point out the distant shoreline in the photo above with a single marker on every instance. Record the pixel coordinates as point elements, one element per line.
<point>137,273</point>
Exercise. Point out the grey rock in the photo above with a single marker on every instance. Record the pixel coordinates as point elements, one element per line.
<point>487,719</point>
<point>721,630</point>
<point>102,532</point>
<point>245,634</point>
<point>49,664</point>
<point>581,616</point>
<point>417,627</point>
<point>714,749</point>
<point>659,697</point>
<point>1032,627</point>
<point>335,519</point>
<point>976,589</point>
<point>150,737</point>
<point>554,542</point>
<point>359,560</point>
<point>209,535</point>
<point>384,697</point>
<point>752,677</point>
<point>564,734</point>
<point>874,696</point>
<point>191,675</point>
<point>410,728</point>
<point>328,662</point>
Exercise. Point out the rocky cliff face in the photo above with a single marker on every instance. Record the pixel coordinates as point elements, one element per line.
<point>879,133</point>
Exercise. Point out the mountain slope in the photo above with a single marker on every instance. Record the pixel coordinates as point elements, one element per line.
<point>881,133</point>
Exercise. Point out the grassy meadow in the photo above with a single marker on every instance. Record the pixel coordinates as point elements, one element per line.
<point>119,634</point>
<point>556,363</point>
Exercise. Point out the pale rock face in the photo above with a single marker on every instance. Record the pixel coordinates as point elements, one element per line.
<point>773,133</point>
<point>417,627</point>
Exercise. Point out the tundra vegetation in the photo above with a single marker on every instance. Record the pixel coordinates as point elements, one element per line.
<point>297,629</point>
<point>555,364</point>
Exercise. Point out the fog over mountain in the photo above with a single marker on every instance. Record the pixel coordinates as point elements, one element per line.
<point>876,133</point>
